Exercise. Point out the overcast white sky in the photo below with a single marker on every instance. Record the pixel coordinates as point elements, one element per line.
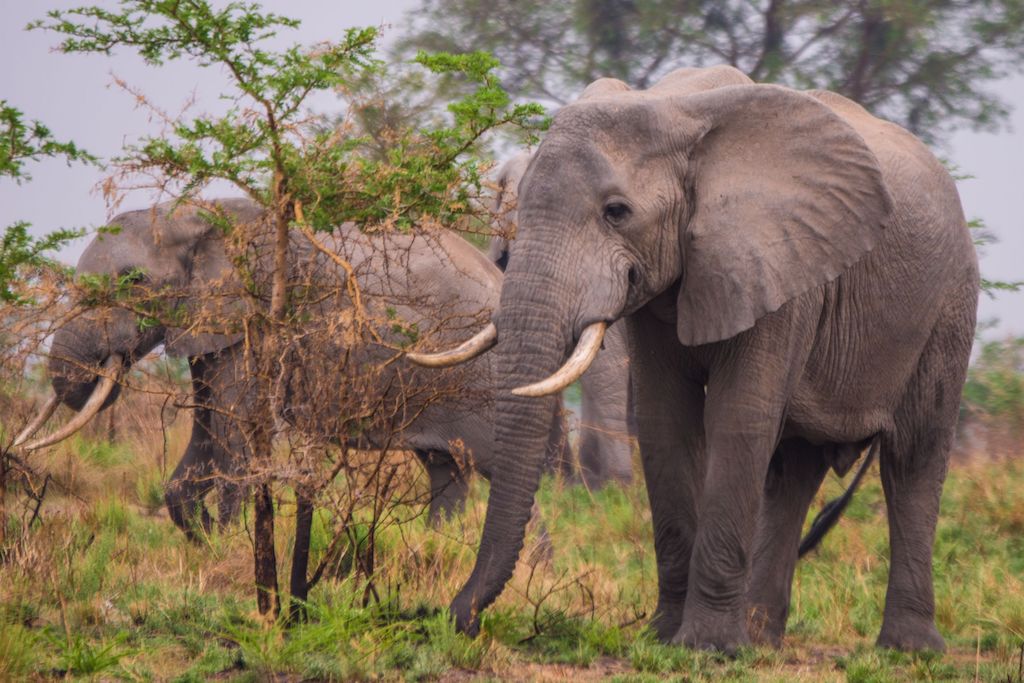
<point>74,95</point>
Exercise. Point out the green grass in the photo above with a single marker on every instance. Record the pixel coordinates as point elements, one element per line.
<point>105,588</point>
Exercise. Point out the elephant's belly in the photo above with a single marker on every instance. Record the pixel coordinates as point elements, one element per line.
<point>821,422</point>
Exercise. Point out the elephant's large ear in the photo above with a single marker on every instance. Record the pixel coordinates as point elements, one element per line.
<point>785,196</point>
<point>504,206</point>
<point>213,284</point>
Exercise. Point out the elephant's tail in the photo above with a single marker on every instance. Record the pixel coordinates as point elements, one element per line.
<point>833,509</point>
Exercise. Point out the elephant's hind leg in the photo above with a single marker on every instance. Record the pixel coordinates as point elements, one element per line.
<point>914,460</point>
<point>795,473</point>
<point>448,488</point>
<point>230,458</point>
<point>230,496</point>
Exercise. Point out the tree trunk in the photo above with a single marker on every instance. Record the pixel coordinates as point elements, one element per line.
<point>264,554</point>
<point>299,586</point>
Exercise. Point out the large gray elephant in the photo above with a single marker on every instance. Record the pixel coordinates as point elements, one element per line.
<point>798,281</point>
<point>414,278</point>
<point>606,428</point>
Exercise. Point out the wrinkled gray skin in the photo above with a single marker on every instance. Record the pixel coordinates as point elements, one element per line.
<point>607,428</point>
<point>806,263</point>
<point>183,251</point>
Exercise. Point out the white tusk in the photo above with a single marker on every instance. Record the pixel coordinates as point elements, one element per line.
<point>38,421</point>
<point>581,358</point>
<point>99,395</point>
<point>467,350</point>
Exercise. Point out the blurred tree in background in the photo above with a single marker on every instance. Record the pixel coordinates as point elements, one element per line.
<point>995,384</point>
<point>925,65</point>
<point>992,407</point>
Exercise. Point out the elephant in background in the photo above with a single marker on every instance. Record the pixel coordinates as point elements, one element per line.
<point>607,427</point>
<point>419,279</point>
<point>797,279</point>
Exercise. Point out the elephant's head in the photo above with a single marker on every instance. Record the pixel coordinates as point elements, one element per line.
<point>169,253</point>
<point>605,416</point>
<point>714,199</point>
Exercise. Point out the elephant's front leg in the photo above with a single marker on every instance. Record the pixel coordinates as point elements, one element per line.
<point>670,431</point>
<point>189,484</point>
<point>750,380</point>
<point>232,455</point>
<point>192,479</point>
<point>715,615</point>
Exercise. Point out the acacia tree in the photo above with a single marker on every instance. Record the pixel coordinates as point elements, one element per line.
<point>925,65</point>
<point>23,141</point>
<point>307,177</point>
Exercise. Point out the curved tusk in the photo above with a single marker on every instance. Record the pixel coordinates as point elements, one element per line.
<point>467,350</point>
<point>38,421</point>
<point>581,358</point>
<point>99,395</point>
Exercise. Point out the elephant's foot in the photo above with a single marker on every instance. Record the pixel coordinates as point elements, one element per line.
<point>465,615</point>
<point>194,519</point>
<point>914,634</point>
<point>725,633</point>
<point>666,621</point>
<point>765,627</point>
<point>197,528</point>
<point>442,510</point>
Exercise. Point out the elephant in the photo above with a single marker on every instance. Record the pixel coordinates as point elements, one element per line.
<point>415,277</point>
<point>797,280</point>
<point>607,428</point>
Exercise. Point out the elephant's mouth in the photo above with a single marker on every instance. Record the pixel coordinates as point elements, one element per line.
<point>76,394</point>
<point>74,384</point>
<point>583,355</point>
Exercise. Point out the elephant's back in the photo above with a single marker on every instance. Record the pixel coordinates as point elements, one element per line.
<point>692,80</point>
<point>927,231</point>
<point>923,191</point>
<point>459,270</point>
<point>425,277</point>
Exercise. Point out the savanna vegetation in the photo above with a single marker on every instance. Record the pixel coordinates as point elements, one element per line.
<point>97,583</point>
<point>106,587</point>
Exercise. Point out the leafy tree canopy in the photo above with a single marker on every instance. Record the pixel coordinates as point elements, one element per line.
<point>23,141</point>
<point>923,64</point>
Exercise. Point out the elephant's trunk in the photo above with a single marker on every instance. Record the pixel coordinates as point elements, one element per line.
<point>533,332</point>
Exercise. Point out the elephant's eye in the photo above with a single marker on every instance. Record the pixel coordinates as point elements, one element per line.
<point>616,212</point>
